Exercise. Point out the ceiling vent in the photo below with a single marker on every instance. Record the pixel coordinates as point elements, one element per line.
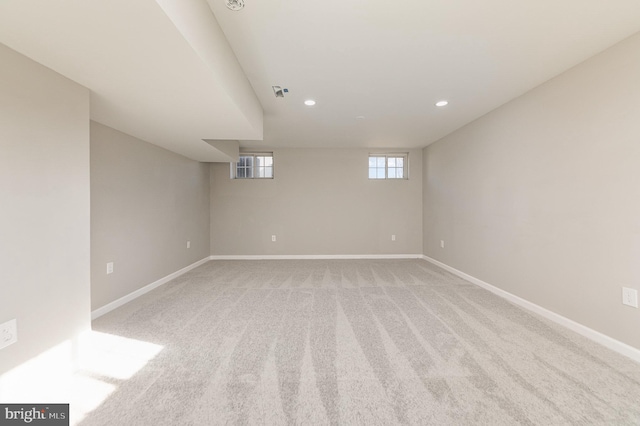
<point>235,4</point>
<point>279,91</point>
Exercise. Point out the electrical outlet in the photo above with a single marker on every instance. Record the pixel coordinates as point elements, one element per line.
<point>109,268</point>
<point>630,297</point>
<point>8,333</point>
<point>393,238</point>
<point>188,244</point>
<point>273,238</point>
<point>441,243</point>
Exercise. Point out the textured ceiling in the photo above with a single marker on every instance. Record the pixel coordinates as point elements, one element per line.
<point>161,70</point>
<point>391,61</point>
<point>190,74</point>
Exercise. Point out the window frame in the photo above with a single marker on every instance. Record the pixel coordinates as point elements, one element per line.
<point>254,165</point>
<point>387,156</point>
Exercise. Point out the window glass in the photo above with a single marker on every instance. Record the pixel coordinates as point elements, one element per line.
<point>388,166</point>
<point>377,167</point>
<point>254,166</point>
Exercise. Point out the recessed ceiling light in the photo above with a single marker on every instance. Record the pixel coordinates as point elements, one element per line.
<point>442,103</point>
<point>360,117</point>
<point>309,102</point>
<point>235,4</point>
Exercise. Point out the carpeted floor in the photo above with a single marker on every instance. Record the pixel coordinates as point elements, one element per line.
<point>353,342</point>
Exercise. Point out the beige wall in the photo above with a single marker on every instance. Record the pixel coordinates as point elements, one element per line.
<point>542,196</point>
<point>319,203</point>
<point>44,213</point>
<point>146,202</point>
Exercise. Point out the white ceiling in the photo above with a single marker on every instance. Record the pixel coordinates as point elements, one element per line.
<point>390,61</point>
<point>164,70</point>
<point>159,70</point>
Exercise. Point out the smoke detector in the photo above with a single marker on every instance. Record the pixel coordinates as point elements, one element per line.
<point>235,4</point>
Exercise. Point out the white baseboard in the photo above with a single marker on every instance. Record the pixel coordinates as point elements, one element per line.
<point>596,336</point>
<point>315,256</point>
<point>134,295</point>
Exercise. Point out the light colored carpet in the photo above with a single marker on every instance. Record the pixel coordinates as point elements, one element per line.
<point>354,342</point>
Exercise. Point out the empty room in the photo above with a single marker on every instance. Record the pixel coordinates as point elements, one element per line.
<point>365,212</point>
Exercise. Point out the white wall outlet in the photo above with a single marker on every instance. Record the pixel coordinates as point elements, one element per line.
<point>273,238</point>
<point>441,243</point>
<point>630,297</point>
<point>8,333</point>
<point>188,244</point>
<point>393,238</point>
<point>109,268</point>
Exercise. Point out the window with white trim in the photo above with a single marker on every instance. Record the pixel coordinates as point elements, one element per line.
<point>255,166</point>
<point>388,166</point>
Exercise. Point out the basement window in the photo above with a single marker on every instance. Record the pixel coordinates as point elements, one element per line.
<point>388,166</point>
<point>255,166</point>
